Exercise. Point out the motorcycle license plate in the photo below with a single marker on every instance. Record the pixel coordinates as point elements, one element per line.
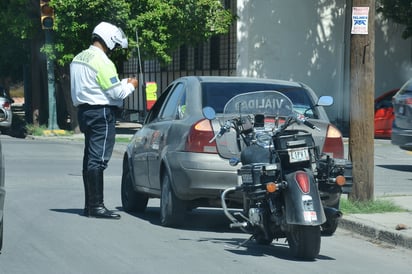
<point>298,155</point>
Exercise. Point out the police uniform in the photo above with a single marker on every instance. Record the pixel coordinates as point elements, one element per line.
<point>97,92</point>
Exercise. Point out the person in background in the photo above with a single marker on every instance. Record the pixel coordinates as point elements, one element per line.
<point>97,92</point>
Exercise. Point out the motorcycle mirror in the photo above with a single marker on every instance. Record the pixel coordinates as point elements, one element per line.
<point>325,101</point>
<point>209,113</point>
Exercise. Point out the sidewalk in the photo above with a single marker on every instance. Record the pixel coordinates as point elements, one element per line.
<point>391,228</point>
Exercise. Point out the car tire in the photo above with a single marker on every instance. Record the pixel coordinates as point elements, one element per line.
<point>329,227</point>
<point>261,239</point>
<point>172,209</point>
<point>1,234</point>
<point>132,201</point>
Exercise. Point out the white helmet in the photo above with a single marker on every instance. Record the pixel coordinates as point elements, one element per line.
<point>111,35</point>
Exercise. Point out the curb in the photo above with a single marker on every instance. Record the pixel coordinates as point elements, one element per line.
<point>375,233</point>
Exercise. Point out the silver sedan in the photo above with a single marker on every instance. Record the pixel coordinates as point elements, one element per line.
<point>171,156</point>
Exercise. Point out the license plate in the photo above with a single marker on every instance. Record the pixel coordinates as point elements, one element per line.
<point>298,155</point>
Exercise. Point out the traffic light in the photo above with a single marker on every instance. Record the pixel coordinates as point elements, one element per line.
<point>46,14</point>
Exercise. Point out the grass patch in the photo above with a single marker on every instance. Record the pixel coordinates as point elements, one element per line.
<point>35,130</point>
<point>376,206</point>
<point>44,131</point>
<point>122,139</point>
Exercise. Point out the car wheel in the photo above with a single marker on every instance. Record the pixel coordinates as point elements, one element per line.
<point>1,234</point>
<point>172,209</point>
<point>329,227</point>
<point>132,201</point>
<point>261,239</point>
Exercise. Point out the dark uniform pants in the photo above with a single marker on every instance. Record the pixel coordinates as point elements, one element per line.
<point>98,123</point>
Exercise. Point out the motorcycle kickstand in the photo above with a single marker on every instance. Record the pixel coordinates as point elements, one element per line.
<point>245,241</point>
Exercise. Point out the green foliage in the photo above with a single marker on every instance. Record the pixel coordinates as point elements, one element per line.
<point>16,28</point>
<point>162,27</point>
<point>75,20</point>
<point>399,11</point>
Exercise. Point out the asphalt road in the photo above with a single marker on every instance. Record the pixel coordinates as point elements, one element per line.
<point>45,232</point>
<point>393,169</point>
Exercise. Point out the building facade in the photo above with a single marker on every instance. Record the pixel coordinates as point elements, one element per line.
<point>300,40</point>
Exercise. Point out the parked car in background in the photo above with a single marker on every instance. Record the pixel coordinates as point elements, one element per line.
<point>2,196</point>
<point>384,114</point>
<point>6,114</point>
<point>171,156</point>
<point>402,125</point>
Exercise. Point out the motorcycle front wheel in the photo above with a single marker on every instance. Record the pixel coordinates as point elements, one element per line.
<point>304,241</point>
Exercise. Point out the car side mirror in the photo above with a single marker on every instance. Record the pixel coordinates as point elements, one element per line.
<point>325,101</point>
<point>209,113</point>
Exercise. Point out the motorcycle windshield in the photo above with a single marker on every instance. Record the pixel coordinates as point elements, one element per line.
<point>268,103</point>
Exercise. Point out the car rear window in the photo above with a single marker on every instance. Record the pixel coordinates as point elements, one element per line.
<point>216,95</point>
<point>407,88</point>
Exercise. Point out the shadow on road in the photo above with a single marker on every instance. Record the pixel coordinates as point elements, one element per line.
<point>77,211</point>
<point>201,219</point>
<point>214,220</point>
<point>405,168</point>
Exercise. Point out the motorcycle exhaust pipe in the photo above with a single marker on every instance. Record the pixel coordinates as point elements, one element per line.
<point>332,213</point>
<point>235,222</point>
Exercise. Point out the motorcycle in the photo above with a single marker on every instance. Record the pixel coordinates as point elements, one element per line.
<point>281,173</point>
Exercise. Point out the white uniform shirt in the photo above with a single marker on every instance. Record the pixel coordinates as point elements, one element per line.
<point>94,80</point>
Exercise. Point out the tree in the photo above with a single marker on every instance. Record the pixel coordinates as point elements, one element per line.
<point>162,26</point>
<point>14,36</point>
<point>399,11</point>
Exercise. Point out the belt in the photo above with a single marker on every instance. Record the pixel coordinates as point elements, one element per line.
<point>88,106</point>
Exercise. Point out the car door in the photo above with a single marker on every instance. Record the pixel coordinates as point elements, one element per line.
<point>160,128</point>
<point>142,142</point>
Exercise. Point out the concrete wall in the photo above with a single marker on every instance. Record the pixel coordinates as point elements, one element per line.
<point>393,56</point>
<point>309,41</point>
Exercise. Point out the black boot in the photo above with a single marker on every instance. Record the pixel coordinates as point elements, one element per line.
<point>96,207</point>
<point>86,194</point>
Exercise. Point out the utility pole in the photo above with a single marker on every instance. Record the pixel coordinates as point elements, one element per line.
<point>362,85</point>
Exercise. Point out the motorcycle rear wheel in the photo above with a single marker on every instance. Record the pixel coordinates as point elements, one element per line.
<point>304,241</point>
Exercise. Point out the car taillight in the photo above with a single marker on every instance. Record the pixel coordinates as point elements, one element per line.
<point>199,136</point>
<point>333,143</point>
<point>6,105</point>
<point>408,101</point>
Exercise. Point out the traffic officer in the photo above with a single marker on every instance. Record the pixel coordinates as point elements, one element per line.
<point>97,92</point>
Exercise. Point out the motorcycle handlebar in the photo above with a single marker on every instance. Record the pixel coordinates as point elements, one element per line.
<point>303,119</point>
<point>309,124</point>
<point>223,130</point>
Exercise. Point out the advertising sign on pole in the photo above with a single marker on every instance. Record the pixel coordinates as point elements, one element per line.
<point>360,20</point>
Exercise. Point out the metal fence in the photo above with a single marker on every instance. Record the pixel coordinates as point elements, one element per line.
<point>214,57</point>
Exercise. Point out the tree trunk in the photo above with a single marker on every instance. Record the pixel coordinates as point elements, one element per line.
<point>362,83</point>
